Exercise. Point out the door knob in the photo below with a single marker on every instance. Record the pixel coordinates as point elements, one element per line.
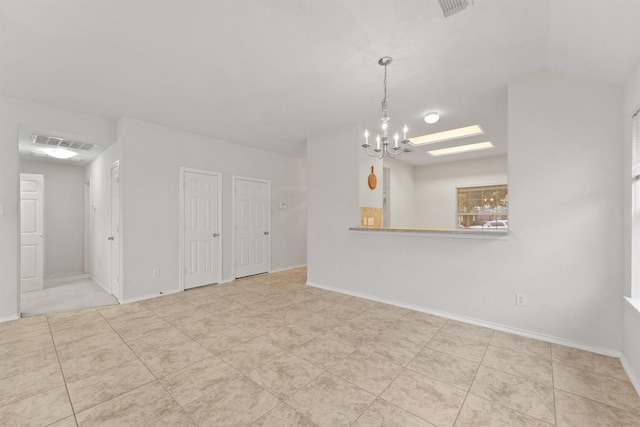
<point>266,233</point>
<point>110,238</point>
<point>215,234</point>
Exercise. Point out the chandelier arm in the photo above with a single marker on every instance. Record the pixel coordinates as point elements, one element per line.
<point>393,154</point>
<point>374,154</point>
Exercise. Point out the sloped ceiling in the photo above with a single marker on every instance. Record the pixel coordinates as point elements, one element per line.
<point>267,73</point>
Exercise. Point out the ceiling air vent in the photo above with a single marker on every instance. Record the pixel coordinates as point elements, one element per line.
<point>449,7</point>
<point>60,142</point>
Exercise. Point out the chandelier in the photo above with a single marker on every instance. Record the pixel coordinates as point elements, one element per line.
<point>382,141</point>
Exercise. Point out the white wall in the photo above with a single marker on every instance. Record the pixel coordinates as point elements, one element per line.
<point>151,159</point>
<point>98,174</point>
<point>564,160</point>
<point>631,350</point>
<point>63,216</point>
<point>16,112</point>
<point>333,195</point>
<point>402,193</point>
<point>436,187</point>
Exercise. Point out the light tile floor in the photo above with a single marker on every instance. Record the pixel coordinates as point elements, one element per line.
<point>270,351</point>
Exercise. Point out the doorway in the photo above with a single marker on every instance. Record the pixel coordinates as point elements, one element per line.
<point>200,225</point>
<point>53,216</point>
<point>251,226</point>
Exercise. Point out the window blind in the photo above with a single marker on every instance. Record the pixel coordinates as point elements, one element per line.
<point>635,144</point>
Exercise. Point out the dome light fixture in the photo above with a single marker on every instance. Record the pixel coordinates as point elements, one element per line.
<point>432,118</point>
<point>59,153</point>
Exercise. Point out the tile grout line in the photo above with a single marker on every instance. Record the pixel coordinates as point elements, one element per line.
<point>145,365</point>
<point>553,388</point>
<point>379,396</point>
<point>474,378</point>
<point>64,379</point>
<point>503,404</point>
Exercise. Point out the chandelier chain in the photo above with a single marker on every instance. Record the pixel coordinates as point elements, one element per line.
<point>384,100</point>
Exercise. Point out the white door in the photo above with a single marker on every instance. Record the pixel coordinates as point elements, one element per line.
<point>202,241</point>
<point>114,238</point>
<point>31,232</point>
<point>252,227</point>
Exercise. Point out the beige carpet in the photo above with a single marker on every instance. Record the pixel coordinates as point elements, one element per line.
<point>62,294</point>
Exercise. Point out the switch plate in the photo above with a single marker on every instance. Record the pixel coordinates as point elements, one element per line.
<point>155,273</point>
<point>521,300</point>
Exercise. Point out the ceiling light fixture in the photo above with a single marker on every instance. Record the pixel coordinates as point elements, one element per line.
<point>461,149</point>
<point>382,142</point>
<point>447,135</point>
<point>432,118</point>
<point>59,153</point>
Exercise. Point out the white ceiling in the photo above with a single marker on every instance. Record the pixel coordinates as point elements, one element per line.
<point>269,73</point>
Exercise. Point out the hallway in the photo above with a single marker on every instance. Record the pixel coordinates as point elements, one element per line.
<point>64,294</point>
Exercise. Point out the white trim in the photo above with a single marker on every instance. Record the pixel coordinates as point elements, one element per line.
<point>69,276</point>
<point>99,283</point>
<point>634,303</point>
<point>9,318</point>
<point>496,326</point>
<point>120,296</point>
<point>288,268</point>
<point>632,376</point>
<point>181,267</point>
<point>149,296</point>
<point>234,178</point>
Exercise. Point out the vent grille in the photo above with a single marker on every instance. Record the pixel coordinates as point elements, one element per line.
<point>61,142</point>
<point>449,7</point>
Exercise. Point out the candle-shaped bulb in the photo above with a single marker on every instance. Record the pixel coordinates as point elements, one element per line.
<point>396,137</point>
<point>366,136</point>
<point>405,129</point>
<point>378,142</point>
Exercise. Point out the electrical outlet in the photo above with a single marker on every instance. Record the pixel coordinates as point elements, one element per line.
<point>155,273</point>
<point>521,300</point>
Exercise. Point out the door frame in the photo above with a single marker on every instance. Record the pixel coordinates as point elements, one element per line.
<point>42,213</point>
<point>181,266</point>
<point>120,296</point>
<point>234,179</point>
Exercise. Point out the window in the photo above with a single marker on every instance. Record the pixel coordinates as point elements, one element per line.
<point>483,207</point>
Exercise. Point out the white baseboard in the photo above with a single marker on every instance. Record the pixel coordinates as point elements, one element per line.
<point>632,376</point>
<point>291,267</point>
<point>68,276</point>
<point>149,296</point>
<point>496,326</point>
<point>99,283</point>
<point>9,318</point>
